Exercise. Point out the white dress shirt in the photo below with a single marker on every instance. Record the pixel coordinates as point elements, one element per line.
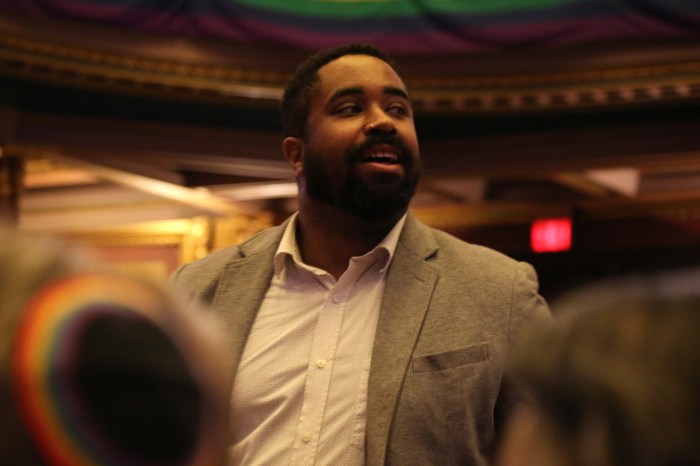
<point>300,394</point>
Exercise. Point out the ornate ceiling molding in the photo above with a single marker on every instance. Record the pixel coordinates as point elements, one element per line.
<point>525,80</point>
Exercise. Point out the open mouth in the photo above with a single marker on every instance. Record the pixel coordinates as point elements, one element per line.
<point>382,157</point>
<point>382,154</point>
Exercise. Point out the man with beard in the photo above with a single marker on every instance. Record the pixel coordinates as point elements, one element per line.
<point>362,336</point>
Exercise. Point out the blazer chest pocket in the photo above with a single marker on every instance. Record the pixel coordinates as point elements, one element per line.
<point>449,359</point>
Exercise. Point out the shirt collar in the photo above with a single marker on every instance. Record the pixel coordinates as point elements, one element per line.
<point>288,247</point>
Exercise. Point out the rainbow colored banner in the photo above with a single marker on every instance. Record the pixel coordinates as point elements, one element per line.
<point>399,26</point>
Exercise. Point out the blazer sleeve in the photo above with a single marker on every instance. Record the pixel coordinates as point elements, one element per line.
<point>528,309</point>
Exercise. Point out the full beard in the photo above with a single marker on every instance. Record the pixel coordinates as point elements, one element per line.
<point>382,196</point>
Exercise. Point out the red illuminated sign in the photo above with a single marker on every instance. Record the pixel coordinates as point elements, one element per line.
<point>551,235</point>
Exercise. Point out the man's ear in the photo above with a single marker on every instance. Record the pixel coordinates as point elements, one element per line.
<point>293,149</point>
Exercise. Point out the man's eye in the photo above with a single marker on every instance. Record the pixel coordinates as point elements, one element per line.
<point>348,109</point>
<point>398,110</point>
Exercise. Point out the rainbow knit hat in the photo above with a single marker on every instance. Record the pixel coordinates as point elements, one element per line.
<point>104,370</point>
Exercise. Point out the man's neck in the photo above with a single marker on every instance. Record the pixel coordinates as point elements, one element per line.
<point>329,237</point>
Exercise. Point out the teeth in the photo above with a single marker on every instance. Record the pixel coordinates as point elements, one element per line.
<point>387,157</point>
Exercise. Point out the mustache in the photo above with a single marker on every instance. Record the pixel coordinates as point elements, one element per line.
<point>356,151</point>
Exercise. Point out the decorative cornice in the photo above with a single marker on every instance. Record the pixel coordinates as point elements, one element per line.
<point>642,84</point>
<point>463,88</point>
<point>28,58</point>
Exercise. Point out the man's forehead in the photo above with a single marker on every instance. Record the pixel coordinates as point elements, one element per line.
<point>358,72</point>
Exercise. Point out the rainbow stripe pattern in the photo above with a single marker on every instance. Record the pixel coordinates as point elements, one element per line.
<point>398,26</point>
<point>43,359</point>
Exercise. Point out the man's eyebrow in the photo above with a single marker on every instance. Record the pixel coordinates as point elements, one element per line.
<point>391,90</point>
<point>397,91</point>
<point>345,91</point>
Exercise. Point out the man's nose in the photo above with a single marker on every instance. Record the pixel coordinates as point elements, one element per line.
<point>380,125</point>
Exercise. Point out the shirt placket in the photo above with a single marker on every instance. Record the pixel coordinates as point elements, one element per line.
<point>320,369</point>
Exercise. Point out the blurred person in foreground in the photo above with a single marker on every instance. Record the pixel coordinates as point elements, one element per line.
<point>98,368</point>
<point>615,381</point>
<point>361,335</point>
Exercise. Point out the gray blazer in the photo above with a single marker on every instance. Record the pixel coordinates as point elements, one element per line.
<point>449,314</point>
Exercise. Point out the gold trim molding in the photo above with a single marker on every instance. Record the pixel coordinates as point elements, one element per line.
<point>505,82</point>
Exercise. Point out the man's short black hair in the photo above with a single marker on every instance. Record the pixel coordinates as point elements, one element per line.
<point>301,88</point>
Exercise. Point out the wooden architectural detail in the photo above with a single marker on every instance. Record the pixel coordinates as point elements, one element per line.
<point>517,81</point>
<point>11,173</point>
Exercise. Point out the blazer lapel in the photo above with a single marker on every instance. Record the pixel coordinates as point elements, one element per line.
<point>242,287</point>
<point>400,320</point>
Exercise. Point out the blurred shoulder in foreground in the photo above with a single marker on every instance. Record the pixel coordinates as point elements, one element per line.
<point>615,379</point>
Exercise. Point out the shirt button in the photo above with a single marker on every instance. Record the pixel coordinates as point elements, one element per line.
<point>321,363</point>
<point>337,298</point>
<point>306,438</point>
